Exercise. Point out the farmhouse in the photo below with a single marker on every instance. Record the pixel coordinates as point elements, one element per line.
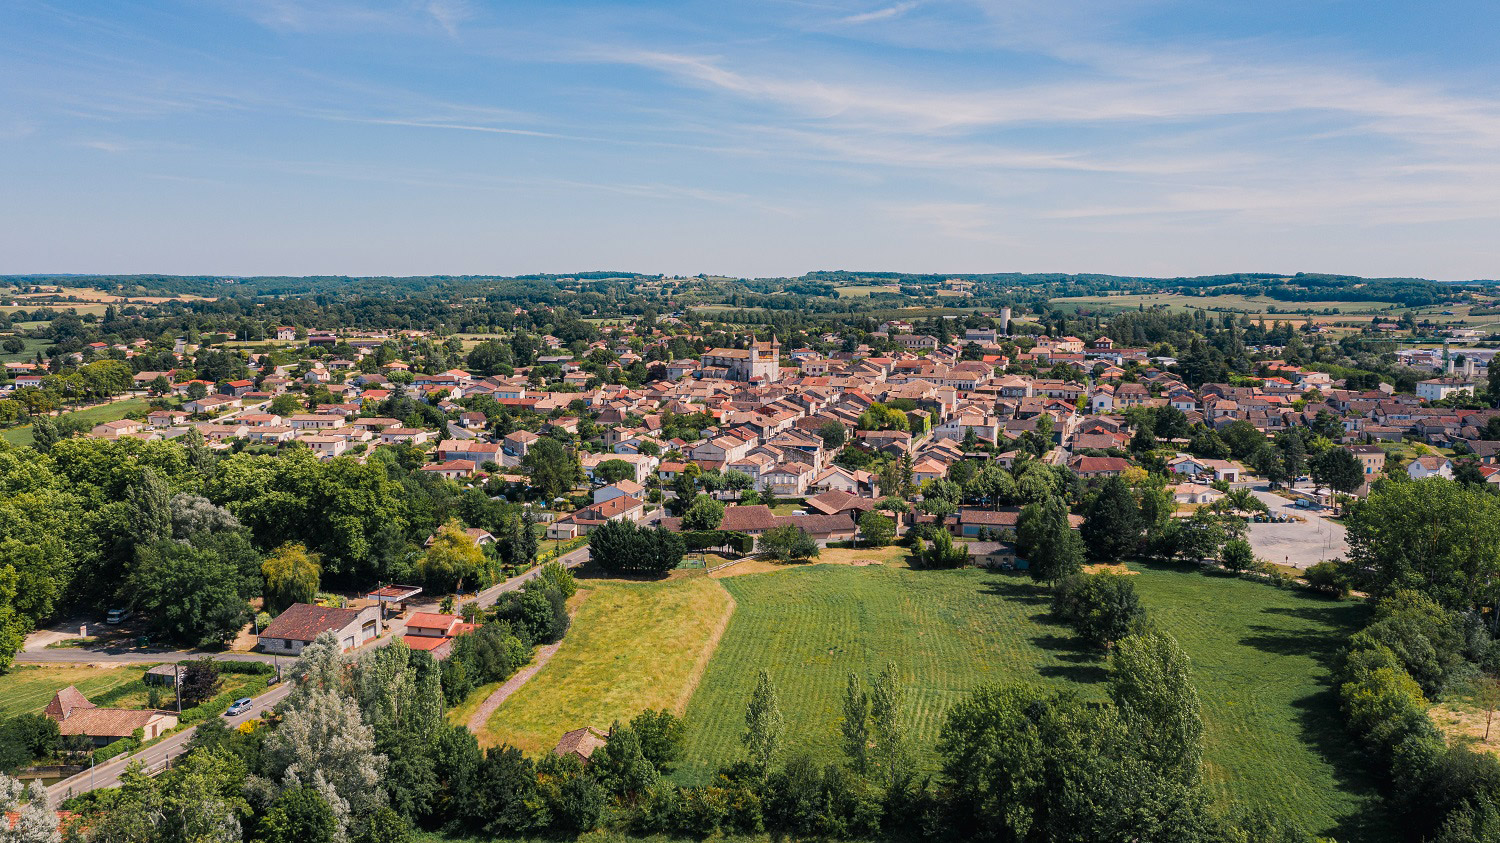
<point>75,715</point>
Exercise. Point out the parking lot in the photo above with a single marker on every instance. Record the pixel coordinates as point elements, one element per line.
<point>1300,544</point>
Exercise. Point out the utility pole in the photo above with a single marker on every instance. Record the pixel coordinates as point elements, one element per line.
<point>177,685</point>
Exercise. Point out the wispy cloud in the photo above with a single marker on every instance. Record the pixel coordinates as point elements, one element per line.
<point>874,15</point>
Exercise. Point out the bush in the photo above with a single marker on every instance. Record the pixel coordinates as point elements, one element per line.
<point>1329,578</point>
<point>1102,607</point>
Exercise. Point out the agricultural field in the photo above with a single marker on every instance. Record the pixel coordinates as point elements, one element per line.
<point>1251,304</point>
<point>855,291</point>
<point>26,689</point>
<point>1261,661</point>
<point>113,411</point>
<point>633,646</point>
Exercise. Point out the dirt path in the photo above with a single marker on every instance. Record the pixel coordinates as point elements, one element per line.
<point>544,654</point>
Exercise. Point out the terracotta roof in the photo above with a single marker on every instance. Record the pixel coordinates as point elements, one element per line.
<point>580,742</point>
<point>431,620</point>
<point>65,702</point>
<point>747,518</point>
<point>304,621</point>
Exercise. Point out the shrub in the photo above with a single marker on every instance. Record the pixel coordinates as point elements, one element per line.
<point>1102,607</point>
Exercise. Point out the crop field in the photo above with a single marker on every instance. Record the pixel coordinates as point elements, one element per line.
<point>866,290</point>
<point>26,689</point>
<point>633,646</point>
<point>1251,304</point>
<point>1260,660</point>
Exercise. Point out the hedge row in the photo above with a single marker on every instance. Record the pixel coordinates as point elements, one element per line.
<point>706,539</point>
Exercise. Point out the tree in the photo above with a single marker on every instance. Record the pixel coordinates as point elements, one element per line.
<point>14,345</point>
<point>1046,539</point>
<point>324,743</point>
<point>620,766</point>
<point>626,547</point>
<point>34,821</point>
<point>876,529</point>
<point>452,557</point>
<point>1237,555</point>
<point>1487,697</point>
<point>291,576</point>
<point>1338,469</point>
<point>942,554</point>
<point>788,542</point>
<point>196,595</point>
<point>855,726</point>
<point>1103,607</point>
<point>553,470</point>
<point>833,435</point>
<point>613,471</point>
<point>199,682</point>
<point>1433,535</point>
<point>890,755</point>
<point>764,725</point>
<point>738,482</point>
<point>662,736</point>
<point>1151,682</point>
<point>704,513</point>
<point>1112,523</point>
<point>299,815</point>
<point>148,505</point>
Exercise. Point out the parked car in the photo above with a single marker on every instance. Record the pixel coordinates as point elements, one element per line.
<point>117,616</point>
<point>239,706</point>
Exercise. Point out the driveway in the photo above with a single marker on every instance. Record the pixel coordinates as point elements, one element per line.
<point>1300,544</point>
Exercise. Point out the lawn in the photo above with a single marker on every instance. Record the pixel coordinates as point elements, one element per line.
<point>1274,737</point>
<point>28,688</point>
<point>113,411</point>
<point>633,646</point>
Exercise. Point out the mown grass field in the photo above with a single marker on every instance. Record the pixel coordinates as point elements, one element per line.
<point>26,689</point>
<point>1260,659</point>
<point>633,646</point>
<point>113,411</point>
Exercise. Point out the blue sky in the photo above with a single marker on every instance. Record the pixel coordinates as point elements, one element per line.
<point>767,137</point>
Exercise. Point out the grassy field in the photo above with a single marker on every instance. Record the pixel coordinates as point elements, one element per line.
<point>26,689</point>
<point>27,354</point>
<point>633,646</point>
<point>1274,736</point>
<point>1261,660</point>
<point>113,411</point>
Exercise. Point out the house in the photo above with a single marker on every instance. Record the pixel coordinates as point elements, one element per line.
<point>1190,466</point>
<point>405,436</point>
<point>326,447</point>
<point>75,715</point>
<point>1194,493</point>
<point>210,404</point>
<point>585,520</point>
<point>434,633</point>
<point>624,488</point>
<point>1436,389</point>
<point>517,442</point>
<point>451,469</point>
<point>116,429</point>
<point>580,743</point>
<point>285,333</point>
<point>301,623</point>
<point>1430,466</point>
<point>1091,467</point>
<point>1372,461</point>
<point>971,520</point>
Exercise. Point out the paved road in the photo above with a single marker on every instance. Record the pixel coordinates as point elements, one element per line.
<point>1300,544</point>
<point>154,758</point>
